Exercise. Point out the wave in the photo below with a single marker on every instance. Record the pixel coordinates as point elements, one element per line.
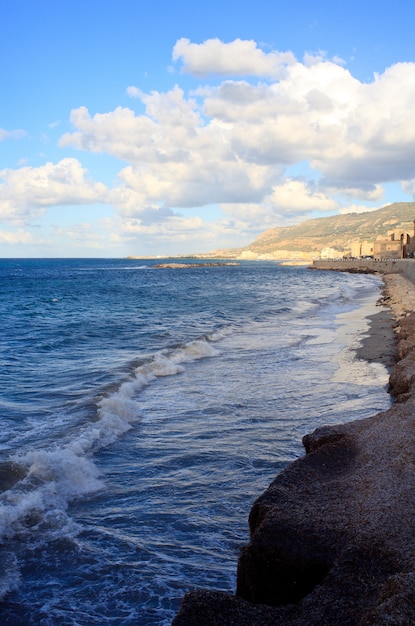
<point>43,482</point>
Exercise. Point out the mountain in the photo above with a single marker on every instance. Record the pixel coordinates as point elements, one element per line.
<point>307,240</point>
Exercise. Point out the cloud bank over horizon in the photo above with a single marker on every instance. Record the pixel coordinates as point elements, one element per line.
<point>246,139</point>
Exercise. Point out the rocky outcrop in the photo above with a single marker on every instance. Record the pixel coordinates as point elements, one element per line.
<point>185,266</point>
<point>332,540</point>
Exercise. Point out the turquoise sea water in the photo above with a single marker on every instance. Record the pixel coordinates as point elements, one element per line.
<point>143,410</point>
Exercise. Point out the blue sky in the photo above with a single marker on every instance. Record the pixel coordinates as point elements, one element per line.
<point>160,128</point>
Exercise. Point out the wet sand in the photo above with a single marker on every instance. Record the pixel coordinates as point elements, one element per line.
<point>380,345</point>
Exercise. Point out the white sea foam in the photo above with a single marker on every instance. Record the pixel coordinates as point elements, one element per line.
<point>54,478</point>
<point>120,410</point>
<point>57,476</point>
<point>352,327</point>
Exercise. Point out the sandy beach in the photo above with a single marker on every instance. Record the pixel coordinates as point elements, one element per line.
<point>332,539</point>
<point>397,301</point>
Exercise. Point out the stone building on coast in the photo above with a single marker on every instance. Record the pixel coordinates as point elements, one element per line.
<point>331,253</point>
<point>395,245</point>
<point>362,248</point>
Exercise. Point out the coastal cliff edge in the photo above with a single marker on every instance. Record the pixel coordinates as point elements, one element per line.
<point>332,539</point>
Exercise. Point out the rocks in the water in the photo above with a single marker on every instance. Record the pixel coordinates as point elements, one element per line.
<point>10,474</point>
<point>182,266</point>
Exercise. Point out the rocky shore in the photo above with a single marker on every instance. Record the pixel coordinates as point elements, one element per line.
<point>332,540</point>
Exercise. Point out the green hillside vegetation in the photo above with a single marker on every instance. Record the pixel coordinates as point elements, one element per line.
<point>306,240</point>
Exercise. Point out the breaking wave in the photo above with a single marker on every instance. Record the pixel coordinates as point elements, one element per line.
<point>44,481</point>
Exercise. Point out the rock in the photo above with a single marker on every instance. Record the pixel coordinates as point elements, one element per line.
<point>184,266</point>
<point>10,474</point>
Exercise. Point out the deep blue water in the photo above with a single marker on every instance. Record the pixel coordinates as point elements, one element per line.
<point>142,412</point>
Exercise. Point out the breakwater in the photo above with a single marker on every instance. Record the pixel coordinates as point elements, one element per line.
<point>332,539</point>
<point>406,267</point>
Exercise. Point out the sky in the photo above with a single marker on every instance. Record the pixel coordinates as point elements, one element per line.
<point>169,127</point>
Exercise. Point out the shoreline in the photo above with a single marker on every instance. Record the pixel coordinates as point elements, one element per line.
<point>379,345</point>
<point>331,539</point>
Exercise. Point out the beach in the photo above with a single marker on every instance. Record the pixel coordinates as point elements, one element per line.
<point>398,301</point>
<point>331,539</point>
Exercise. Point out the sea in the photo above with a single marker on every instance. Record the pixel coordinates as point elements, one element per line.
<point>143,410</point>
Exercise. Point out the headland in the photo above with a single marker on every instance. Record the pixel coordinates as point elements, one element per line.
<point>332,540</point>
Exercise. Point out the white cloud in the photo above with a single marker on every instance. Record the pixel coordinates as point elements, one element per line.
<point>312,58</point>
<point>26,192</point>
<point>236,58</point>
<point>409,187</point>
<point>192,234</point>
<point>295,196</point>
<point>134,92</point>
<point>193,183</point>
<point>356,208</point>
<point>174,226</point>
<point>84,235</point>
<point>12,134</point>
<point>176,159</point>
<point>230,144</point>
<point>15,238</point>
<point>355,134</point>
<point>288,202</point>
<point>369,193</point>
<point>162,134</point>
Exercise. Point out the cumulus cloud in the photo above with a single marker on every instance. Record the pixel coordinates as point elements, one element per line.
<point>195,183</point>
<point>162,134</point>
<point>177,159</point>
<point>26,192</point>
<point>349,131</point>
<point>231,143</point>
<point>236,58</point>
<point>295,196</point>
<point>288,201</point>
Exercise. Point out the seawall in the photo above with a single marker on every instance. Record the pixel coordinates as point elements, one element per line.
<point>332,540</point>
<point>406,267</point>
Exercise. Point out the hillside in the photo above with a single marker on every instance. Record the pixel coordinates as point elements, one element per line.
<point>306,240</point>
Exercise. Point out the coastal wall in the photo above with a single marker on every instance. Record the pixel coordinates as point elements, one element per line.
<point>332,540</point>
<point>406,267</point>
